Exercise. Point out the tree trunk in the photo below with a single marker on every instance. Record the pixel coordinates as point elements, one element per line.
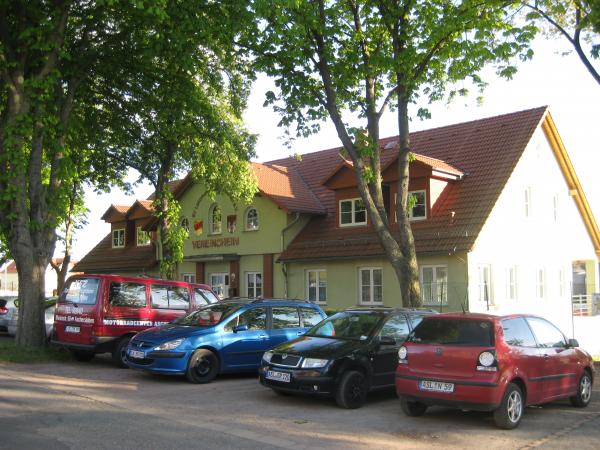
<point>31,328</point>
<point>409,273</point>
<point>167,267</point>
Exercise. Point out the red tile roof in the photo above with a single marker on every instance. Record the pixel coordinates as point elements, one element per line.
<point>120,210</point>
<point>486,150</point>
<point>105,259</point>
<point>286,187</point>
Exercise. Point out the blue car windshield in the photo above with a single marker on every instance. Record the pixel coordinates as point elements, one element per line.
<point>209,316</point>
<point>346,325</point>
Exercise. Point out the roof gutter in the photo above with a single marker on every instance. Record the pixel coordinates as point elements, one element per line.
<point>575,189</point>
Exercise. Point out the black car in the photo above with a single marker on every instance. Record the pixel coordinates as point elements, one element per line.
<point>345,356</point>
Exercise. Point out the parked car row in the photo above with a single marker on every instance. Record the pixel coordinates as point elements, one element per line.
<point>467,361</point>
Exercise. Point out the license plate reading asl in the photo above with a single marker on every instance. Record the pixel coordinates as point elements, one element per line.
<point>71,329</point>
<point>436,386</point>
<point>278,376</point>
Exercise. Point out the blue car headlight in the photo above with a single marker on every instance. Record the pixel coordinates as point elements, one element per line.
<point>170,345</point>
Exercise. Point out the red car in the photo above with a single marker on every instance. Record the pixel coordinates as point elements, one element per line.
<point>490,363</point>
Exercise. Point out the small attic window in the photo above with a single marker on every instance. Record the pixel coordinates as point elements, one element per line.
<point>118,238</point>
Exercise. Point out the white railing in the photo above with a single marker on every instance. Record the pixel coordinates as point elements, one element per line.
<point>586,304</point>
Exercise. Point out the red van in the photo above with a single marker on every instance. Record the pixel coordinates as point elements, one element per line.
<point>100,313</point>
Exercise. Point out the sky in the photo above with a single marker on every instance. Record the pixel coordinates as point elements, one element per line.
<point>552,79</point>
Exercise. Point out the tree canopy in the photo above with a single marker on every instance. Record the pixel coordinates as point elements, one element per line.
<point>176,106</point>
<point>577,21</point>
<point>351,60</point>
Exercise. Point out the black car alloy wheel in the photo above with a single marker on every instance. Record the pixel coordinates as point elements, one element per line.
<point>352,390</point>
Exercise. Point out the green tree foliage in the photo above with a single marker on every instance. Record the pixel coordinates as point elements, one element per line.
<point>51,53</point>
<point>176,106</point>
<point>351,60</point>
<point>578,21</point>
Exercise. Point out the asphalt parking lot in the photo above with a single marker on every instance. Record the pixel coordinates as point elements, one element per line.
<point>94,405</point>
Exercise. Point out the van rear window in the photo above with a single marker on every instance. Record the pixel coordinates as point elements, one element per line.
<point>204,297</point>
<point>81,291</point>
<point>454,332</point>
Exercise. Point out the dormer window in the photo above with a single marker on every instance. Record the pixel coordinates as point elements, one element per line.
<point>417,205</point>
<point>352,212</point>
<point>118,238</point>
<point>216,219</point>
<point>142,237</point>
<point>251,219</point>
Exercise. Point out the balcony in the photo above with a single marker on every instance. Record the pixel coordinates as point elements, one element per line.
<point>586,304</point>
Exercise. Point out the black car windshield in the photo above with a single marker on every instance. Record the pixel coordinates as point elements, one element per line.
<point>346,325</point>
<point>467,332</point>
<point>209,316</point>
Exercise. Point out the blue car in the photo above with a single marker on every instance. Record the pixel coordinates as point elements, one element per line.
<point>229,336</point>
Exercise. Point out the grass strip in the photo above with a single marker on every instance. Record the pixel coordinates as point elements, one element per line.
<point>10,352</point>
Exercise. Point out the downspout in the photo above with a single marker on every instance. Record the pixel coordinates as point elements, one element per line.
<point>284,265</point>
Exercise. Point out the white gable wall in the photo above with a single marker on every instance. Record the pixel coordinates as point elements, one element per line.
<point>530,239</point>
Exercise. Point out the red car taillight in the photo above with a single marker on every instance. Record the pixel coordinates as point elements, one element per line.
<point>486,362</point>
<point>3,310</point>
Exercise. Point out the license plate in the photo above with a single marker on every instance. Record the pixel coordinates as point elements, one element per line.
<point>436,386</point>
<point>136,354</point>
<point>71,329</point>
<point>278,376</point>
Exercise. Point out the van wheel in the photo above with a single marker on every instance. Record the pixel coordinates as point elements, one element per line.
<point>119,353</point>
<point>412,409</point>
<point>203,367</point>
<point>352,390</point>
<point>584,391</point>
<point>82,355</point>
<point>510,412</point>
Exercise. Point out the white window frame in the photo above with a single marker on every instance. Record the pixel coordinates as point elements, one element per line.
<point>318,273</point>
<point>434,286</point>
<point>561,282</point>
<point>214,229</point>
<point>528,202</point>
<point>354,210</point>
<point>253,294</point>
<point>221,289</point>
<point>246,222</point>
<point>120,232</point>
<point>410,210</point>
<point>188,277</point>
<point>511,283</point>
<point>144,243</point>
<point>540,283</point>
<point>362,301</point>
<point>484,285</point>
